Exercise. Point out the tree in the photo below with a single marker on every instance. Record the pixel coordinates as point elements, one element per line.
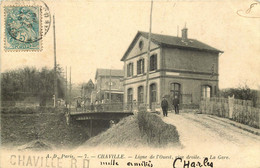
<point>243,92</point>
<point>27,82</point>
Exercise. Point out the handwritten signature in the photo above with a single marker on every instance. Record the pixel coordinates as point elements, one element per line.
<point>193,164</point>
<point>247,13</point>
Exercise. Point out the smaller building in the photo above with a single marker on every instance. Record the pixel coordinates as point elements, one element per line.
<point>108,86</point>
<point>86,90</point>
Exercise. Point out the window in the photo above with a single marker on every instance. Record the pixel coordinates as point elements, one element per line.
<point>153,62</point>
<point>140,94</point>
<point>206,91</point>
<point>176,90</point>
<point>129,95</point>
<point>140,66</point>
<point>141,45</point>
<point>153,92</point>
<point>129,69</point>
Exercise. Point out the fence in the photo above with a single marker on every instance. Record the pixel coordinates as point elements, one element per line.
<point>106,107</point>
<point>24,104</point>
<point>19,104</point>
<point>241,111</point>
<point>127,107</point>
<point>117,107</point>
<point>31,110</point>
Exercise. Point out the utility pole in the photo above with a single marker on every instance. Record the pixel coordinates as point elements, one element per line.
<point>66,95</point>
<point>110,84</point>
<point>83,91</point>
<point>110,96</point>
<point>55,64</point>
<point>70,92</point>
<point>148,59</point>
<point>178,31</point>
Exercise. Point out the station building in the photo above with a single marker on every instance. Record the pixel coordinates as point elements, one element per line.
<point>178,66</point>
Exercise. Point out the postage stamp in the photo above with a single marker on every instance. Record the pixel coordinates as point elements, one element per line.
<point>22,28</point>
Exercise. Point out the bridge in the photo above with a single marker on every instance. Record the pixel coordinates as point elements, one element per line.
<point>106,115</point>
<point>109,112</point>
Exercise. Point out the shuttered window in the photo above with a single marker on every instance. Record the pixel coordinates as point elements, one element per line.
<point>129,69</point>
<point>153,62</point>
<point>176,90</point>
<point>140,66</point>
<point>153,92</point>
<point>140,94</point>
<point>129,95</point>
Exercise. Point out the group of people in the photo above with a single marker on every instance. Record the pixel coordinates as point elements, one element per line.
<point>88,106</point>
<point>84,105</point>
<point>98,107</point>
<point>164,105</point>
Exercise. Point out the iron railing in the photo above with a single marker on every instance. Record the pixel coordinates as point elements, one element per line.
<point>116,107</point>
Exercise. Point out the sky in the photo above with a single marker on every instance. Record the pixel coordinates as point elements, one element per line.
<point>96,34</point>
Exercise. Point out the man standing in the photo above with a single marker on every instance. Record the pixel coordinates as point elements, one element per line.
<point>164,106</point>
<point>92,108</point>
<point>176,103</point>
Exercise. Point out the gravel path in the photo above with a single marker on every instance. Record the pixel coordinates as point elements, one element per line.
<point>204,135</point>
<point>199,129</point>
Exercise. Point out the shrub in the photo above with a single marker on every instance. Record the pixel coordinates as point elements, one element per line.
<point>158,132</point>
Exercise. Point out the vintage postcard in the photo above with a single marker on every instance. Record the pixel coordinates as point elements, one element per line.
<point>123,83</point>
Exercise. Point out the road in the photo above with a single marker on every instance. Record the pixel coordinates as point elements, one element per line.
<point>200,129</point>
<point>205,136</point>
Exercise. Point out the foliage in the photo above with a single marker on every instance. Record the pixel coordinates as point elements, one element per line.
<point>243,92</point>
<point>21,127</point>
<point>19,84</point>
<point>158,132</point>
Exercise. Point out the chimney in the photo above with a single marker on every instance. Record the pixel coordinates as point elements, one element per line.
<point>184,33</point>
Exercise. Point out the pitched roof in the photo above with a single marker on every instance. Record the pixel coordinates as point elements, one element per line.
<point>90,82</point>
<point>172,41</point>
<point>106,72</point>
